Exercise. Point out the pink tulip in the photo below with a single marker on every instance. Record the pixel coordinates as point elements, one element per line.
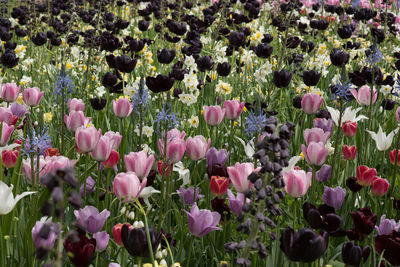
<point>315,153</point>
<point>9,92</point>
<point>139,163</point>
<point>102,149</point>
<point>127,186</point>
<point>349,129</point>
<point>379,187</point>
<point>6,134</point>
<point>115,137</point>
<point>6,115</point>
<point>86,138</point>
<point>363,95</point>
<point>175,150</point>
<point>122,107</point>
<point>76,105</point>
<point>32,96</point>
<point>233,109</point>
<point>310,103</point>
<point>316,135</point>
<point>197,147</point>
<point>54,163</point>
<point>213,115</point>
<point>297,182</point>
<point>171,135</point>
<point>27,169</point>
<point>398,114</point>
<point>239,175</point>
<point>74,120</point>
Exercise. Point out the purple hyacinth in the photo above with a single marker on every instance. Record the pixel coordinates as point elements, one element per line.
<point>102,239</point>
<point>334,196</point>
<point>44,234</point>
<point>188,195</point>
<point>236,203</point>
<point>90,219</point>
<point>386,226</point>
<point>201,222</point>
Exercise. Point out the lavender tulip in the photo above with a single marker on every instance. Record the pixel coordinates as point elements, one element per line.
<point>102,239</point>
<point>236,203</point>
<point>334,196</point>
<point>18,110</point>
<point>90,219</point>
<point>324,124</point>
<point>188,195</point>
<point>44,234</point>
<point>324,173</point>
<point>386,226</point>
<point>90,186</point>
<point>201,222</point>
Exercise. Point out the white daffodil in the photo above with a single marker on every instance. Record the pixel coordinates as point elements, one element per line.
<point>383,141</point>
<point>348,115</point>
<point>184,173</point>
<point>146,194</point>
<point>7,200</point>
<point>248,148</point>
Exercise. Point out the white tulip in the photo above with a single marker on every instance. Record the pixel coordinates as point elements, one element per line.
<point>7,200</point>
<point>383,141</point>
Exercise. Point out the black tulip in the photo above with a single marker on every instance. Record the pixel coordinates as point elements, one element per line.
<point>353,185</point>
<point>282,78</point>
<point>297,102</point>
<point>109,80</point>
<point>223,69</point>
<point>339,57</point>
<point>304,245</point>
<point>378,34</point>
<point>9,59</point>
<point>263,50</point>
<point>388,104</point>
<point>311,78</point>
<point>322,218</point>
<point>125,64</point>
<point>98,103</point>
<point>237,39</point>
<point>161,83</point>
<point>345,32</point>
<point>143,25</point>
<point>205,63</point>
<point>351,254</point>
<point>165,56</point>
<point>135,240</point>
<point>39,39</point>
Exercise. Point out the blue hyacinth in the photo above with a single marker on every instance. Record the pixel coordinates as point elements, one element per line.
<point>37,144</point>
<point>167,117</point>
<point>255,124</point>
<point>64,85</point>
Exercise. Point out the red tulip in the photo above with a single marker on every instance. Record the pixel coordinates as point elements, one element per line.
<point>9,158</point>
<point>349,152</point>
<point>219,185</point>
<point>365,175</point>
<point>112,160</point>
<point>167,168</point>
<point>392,157</point>
<point>349,128</point>
<point>379,187</point>
<point>117,233</point>
<point>51,152</point>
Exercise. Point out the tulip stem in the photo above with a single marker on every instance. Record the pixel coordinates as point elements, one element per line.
<point>336,153</point>
<point>150,245</point>
<point>394,174</point>
<point>190,251</point>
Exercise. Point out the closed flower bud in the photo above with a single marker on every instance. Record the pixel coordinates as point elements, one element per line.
<point>219,185</point>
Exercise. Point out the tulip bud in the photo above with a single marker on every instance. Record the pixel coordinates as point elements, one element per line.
<point>9,92</point>
<point>349,152</point>
<point>213,115</point>
<point>219,185</point>
<point>379,187</point>
<point>392,157</point>
<point>349,128</point>
<point>310,103</point>
<point>122,107</point>
<point>32,96</point>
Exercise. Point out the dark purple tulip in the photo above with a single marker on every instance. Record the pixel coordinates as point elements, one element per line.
<point>322,218</point>
<point>324,173</point>
<point>160,83</point>
<point>353,254</point>
<point>390,246</point>
<point>135,240</point>
<point>364,221</point>
<point>165,56</point>
<point>334,196</point>
<point>80,249</point>
<point>205,63</point>
<point>189,196</point>
<point>353,185</point>
<point>311,78</point>
<point>216,160</point>
<point>304,245</point>
<point>282,78</point>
